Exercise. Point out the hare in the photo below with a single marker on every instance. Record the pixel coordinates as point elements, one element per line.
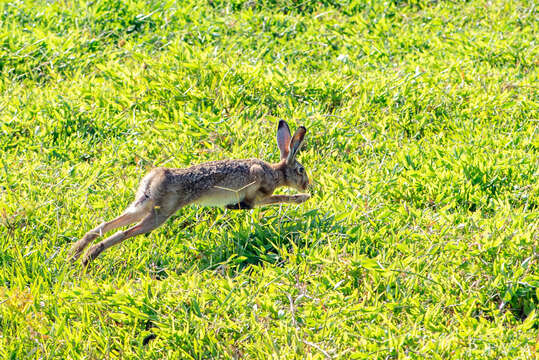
<point>234,184</point>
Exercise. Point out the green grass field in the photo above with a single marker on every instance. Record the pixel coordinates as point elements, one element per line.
<point>420,239</point>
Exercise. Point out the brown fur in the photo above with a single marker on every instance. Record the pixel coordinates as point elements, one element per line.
<point>235,184</point>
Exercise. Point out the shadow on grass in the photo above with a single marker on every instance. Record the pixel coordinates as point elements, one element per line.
<point>232,246</point>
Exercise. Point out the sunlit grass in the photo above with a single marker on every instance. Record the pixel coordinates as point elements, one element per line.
<point>420,239</point>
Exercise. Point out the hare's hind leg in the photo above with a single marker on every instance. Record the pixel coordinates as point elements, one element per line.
<point>129,216</point>
<point>148,223</point>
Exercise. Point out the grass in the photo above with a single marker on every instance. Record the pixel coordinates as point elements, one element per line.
<point>420,240</point>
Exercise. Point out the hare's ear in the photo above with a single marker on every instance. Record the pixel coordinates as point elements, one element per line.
<point>283,139</point>
<point>295,144</point>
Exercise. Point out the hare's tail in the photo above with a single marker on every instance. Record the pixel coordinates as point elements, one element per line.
<point>144,191</point>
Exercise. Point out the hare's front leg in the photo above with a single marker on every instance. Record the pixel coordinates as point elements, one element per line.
<point>277,199</point>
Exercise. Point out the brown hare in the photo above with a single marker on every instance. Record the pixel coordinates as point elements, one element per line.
<point>234,184</point>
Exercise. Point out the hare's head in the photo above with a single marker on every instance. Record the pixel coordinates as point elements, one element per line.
<point>294,173</point>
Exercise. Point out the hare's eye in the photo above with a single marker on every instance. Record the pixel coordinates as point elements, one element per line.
<point>301,170</point>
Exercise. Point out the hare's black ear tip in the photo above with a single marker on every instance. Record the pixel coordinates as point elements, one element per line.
<point>303,128</point>
<point>282,123</point>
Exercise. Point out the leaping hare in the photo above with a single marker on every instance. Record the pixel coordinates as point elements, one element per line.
<point>235,184</point>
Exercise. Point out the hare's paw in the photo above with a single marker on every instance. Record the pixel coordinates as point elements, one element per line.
<point>92,253</point>
<point>301,198</point>
<point>78,247</point>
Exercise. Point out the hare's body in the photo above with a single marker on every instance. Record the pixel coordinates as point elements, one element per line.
<point>216,183</point>
<point>226,183</point>
<point>234,184</point>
